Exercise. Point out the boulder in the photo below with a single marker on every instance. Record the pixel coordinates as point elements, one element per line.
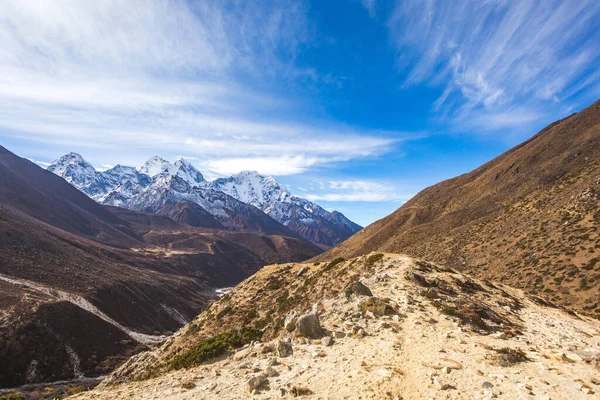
<point>373,305</point>
<point>256,382</point>
<point>308,326</point>
<point>271,372</point>
<point>283,348</point>
<point>357,289</point>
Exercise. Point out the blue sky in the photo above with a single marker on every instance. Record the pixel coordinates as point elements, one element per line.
<point>355,104</point>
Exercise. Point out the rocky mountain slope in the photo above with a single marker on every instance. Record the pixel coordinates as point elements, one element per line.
<point>67,262</point>
<point>528,218</point>
<point>233,201</point>
<point>374,327</point>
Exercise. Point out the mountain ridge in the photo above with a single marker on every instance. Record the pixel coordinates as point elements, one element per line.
<point>146,187</point>
<point>529,217</point>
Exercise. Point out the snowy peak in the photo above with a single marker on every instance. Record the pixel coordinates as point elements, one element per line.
<point>186,171</point>
<point>74,169</point>
<point>155,166</point>
<point>304,217</point>
<point>253,188</point>
<point>181,168</point>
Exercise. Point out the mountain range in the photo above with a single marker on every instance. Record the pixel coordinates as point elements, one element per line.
<point>83,285</point>
<point>359,321</point>
<point>246,201</point>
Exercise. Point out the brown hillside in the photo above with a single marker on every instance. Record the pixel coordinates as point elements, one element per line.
<point>528,218</point>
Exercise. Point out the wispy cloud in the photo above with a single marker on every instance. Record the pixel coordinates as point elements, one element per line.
<point>359,190</point>
<point>370,6</point>
<point>502,62</point>
<point>165,77</point>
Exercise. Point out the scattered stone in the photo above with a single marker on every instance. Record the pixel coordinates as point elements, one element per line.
<point>326,341</point>
<point>300,391</point>
<point>283,349</point>
<point>242,353</point>
<point>256,382</point>
<point>446,370</point>
<point>266,348</point>
<point>271,372</point>
<point>318,354</point>
<point>308,325</point>
<point>487,385</point>
<point>339,335</point>
<point>394,286</point>
<point>440,386</point>
<point>361,333</point>
<point>272,362</point>
<point>405,299</point>
<point>301,271</point>
<point>357,289</point>
<point>381,277</point>
<point>189,384</point>
<point>386,373</point>
<point>245,365</point>
<point>290,321</point>
<point>211,386</point>
<point>374,305</point>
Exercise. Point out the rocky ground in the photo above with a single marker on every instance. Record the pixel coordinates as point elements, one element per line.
<point>406,329</point>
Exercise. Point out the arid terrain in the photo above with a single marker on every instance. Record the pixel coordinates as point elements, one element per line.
<point>409,330</point>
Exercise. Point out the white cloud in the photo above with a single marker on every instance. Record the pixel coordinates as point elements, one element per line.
<point>43,164</point>
<point>359,190</point>
<point>498,57</point>
<point>126,77</point>
<point>369,5</point>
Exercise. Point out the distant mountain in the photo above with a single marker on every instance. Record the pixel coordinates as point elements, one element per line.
<point>528,218</point>
<point>306,218</point>
<point>159,182</point>
<point>83,285</point>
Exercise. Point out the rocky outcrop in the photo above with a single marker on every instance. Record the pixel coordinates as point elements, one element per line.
<point>308,325</point>
<point>357,289</point>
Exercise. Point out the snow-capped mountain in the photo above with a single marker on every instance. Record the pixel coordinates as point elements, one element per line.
<point>172,189</point>
<point>181,168</point>
<point>245,201</point>
<point>81,174</point>
<point>306,218</point>
<point>75,170</point>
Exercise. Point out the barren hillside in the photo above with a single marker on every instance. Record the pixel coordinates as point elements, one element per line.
<point>528,218</point>
<point>378,326</point>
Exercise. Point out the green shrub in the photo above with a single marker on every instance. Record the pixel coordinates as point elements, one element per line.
<point>374,258</point>
<point>13,396</point>
<point>333,263</point>
<point>215,346</point>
